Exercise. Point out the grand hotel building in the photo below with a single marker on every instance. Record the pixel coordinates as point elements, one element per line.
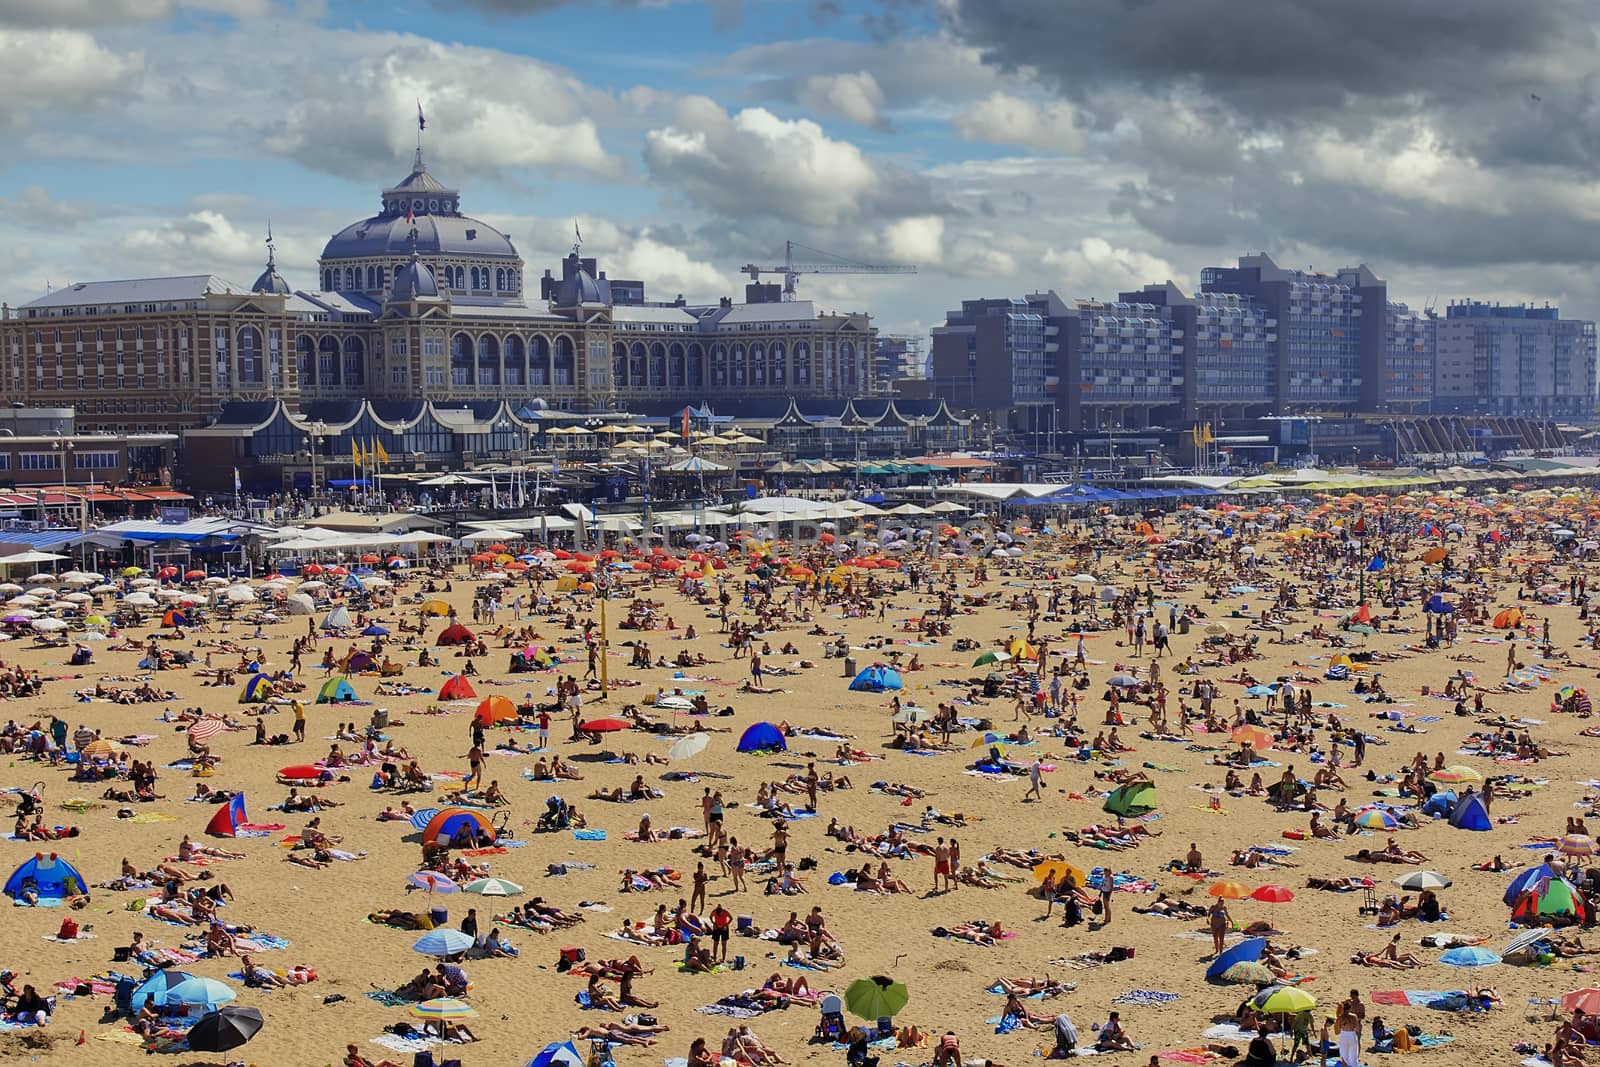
<point>417,304</point>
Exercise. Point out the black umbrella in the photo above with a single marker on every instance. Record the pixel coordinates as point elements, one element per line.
<point>224,1029</point>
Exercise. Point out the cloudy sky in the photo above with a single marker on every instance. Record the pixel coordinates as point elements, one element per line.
<point>1000,145</point>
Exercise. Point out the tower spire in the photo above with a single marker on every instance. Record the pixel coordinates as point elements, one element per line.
<point>422,124</point>
<point>272,249</point>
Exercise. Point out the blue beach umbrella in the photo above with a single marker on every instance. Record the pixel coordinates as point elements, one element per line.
<point>1470,956</point>
<point>205,993</point>
<point>443,942</point>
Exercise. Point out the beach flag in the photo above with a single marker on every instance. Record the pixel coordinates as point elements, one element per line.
<point>383,453</point>
<point>1209,436</point>
<point>355,454</point>
<point>685,430</point>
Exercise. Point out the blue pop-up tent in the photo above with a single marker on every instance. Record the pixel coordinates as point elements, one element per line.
<point>1470,813</point>
<point>53,878</point>
<point>763,737</point>
<point>1247,951</point>
<point>559,1054</point>
<point>876,679</point>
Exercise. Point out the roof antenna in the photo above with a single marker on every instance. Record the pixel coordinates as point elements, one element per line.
<point>272,251</point>
<point>577,237</point>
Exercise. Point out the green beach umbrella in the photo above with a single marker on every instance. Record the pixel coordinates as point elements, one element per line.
<point>878,997</point>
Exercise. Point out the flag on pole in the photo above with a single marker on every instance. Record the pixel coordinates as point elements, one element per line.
<point>422,121</point>
<point>355,458</point>
<point>383,453</point>
<point>1194,434</point>
<point>237,489</point>
<point>1209,436</point>
<point>686,423</point>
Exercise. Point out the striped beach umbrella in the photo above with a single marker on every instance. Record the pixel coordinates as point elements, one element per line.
<point>442,1008</point>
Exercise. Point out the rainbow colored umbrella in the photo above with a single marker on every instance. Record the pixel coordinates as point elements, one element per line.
<point>1377,819</point>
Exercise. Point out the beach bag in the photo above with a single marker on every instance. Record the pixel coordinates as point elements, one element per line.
<point>570,956</point>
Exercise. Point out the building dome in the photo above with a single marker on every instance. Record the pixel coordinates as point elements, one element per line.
<point>414,281</point>
<point>270,281</point>
<point>419,214</point>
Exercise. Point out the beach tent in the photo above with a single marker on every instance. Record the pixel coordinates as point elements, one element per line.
<point>1524,879</point>
<point>257,690</point>
<point>1441,804</point>
<point>1546,900</point>
<point>53,878</point>
<point>228,819</point>
<point>356,661</point>
<point>876,679</point>
<point>1247,951</point>
<point>1508,618</point>
<point>337,619</point>
<point>352,584</point>
<point>457,688</point>
<point>492,710</point>
<point>336,691</point>
<point>374,630</point>
<point>1021,649</point>
<point>443,826</point>
<point>174,618</point>
<point>1470,813</point>
<point>436,608</point>
<point>559,1054</point>
<point>301,604</point>
<point>762,737</point>
<point>454,634</point>
<point>1133,799</point>
<point>1438,605</point>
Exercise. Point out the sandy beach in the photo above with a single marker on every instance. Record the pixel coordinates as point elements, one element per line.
<point>1303,568</point>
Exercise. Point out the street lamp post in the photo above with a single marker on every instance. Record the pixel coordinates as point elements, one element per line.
<point>65,447</point>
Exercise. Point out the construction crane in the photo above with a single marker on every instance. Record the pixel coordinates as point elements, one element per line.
<point>791,270</point>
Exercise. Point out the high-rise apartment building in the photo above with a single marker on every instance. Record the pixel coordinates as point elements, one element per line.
<point>1513,360</point>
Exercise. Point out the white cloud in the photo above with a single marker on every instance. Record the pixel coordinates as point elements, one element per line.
<point>59,69</point>
<point>486,109</point>
<point>1096,266</point>
<point>96,14</point>
<point>917,240</point>
<point>755,163</point>
<point>34,208</point>
<point>854,96</point>
<point>1001,118</point>
<point>192,244</point>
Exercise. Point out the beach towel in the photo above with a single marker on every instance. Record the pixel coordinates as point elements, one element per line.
<point>1144,997</point>
<point>589,835</point>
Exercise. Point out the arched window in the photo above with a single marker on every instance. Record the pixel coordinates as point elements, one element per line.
<point>474,277</point>
<point>719,366</point>
<point>565,362</point>
<point>539,362</point>
<point>305,352</point>
<point>619,365</point>
<point>758,364</point>
<point>697,367</point>
<point>779,369</point>
<point>500,279</point>
<point>516,361</point>
<point>350,282</point>
<point>328,284</point>
<point>658,366</point>
<point>250,369</point>
<point>372,277</point>
<point>328,361</point>
<point>355,362</point>
<point>488,360</point>
<point>461,360</point>
<point>675,373</point>
<point>635,367</point>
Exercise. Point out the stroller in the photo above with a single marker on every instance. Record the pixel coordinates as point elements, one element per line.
<point>830,1027</point>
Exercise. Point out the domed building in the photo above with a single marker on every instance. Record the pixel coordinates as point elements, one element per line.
<point>471,259</point>
<point>417,308</point>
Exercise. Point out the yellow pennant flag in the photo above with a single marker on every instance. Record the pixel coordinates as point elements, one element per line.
<point>1209,437</point>
<point>383,453</point>
<point>355,452</point>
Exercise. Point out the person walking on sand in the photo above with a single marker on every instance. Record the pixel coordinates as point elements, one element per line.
<point>1108,883</point>
<point>941,863</point>
<point>1349,1037</point>
<point>1035,779</point>
<point>1220,923</point>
